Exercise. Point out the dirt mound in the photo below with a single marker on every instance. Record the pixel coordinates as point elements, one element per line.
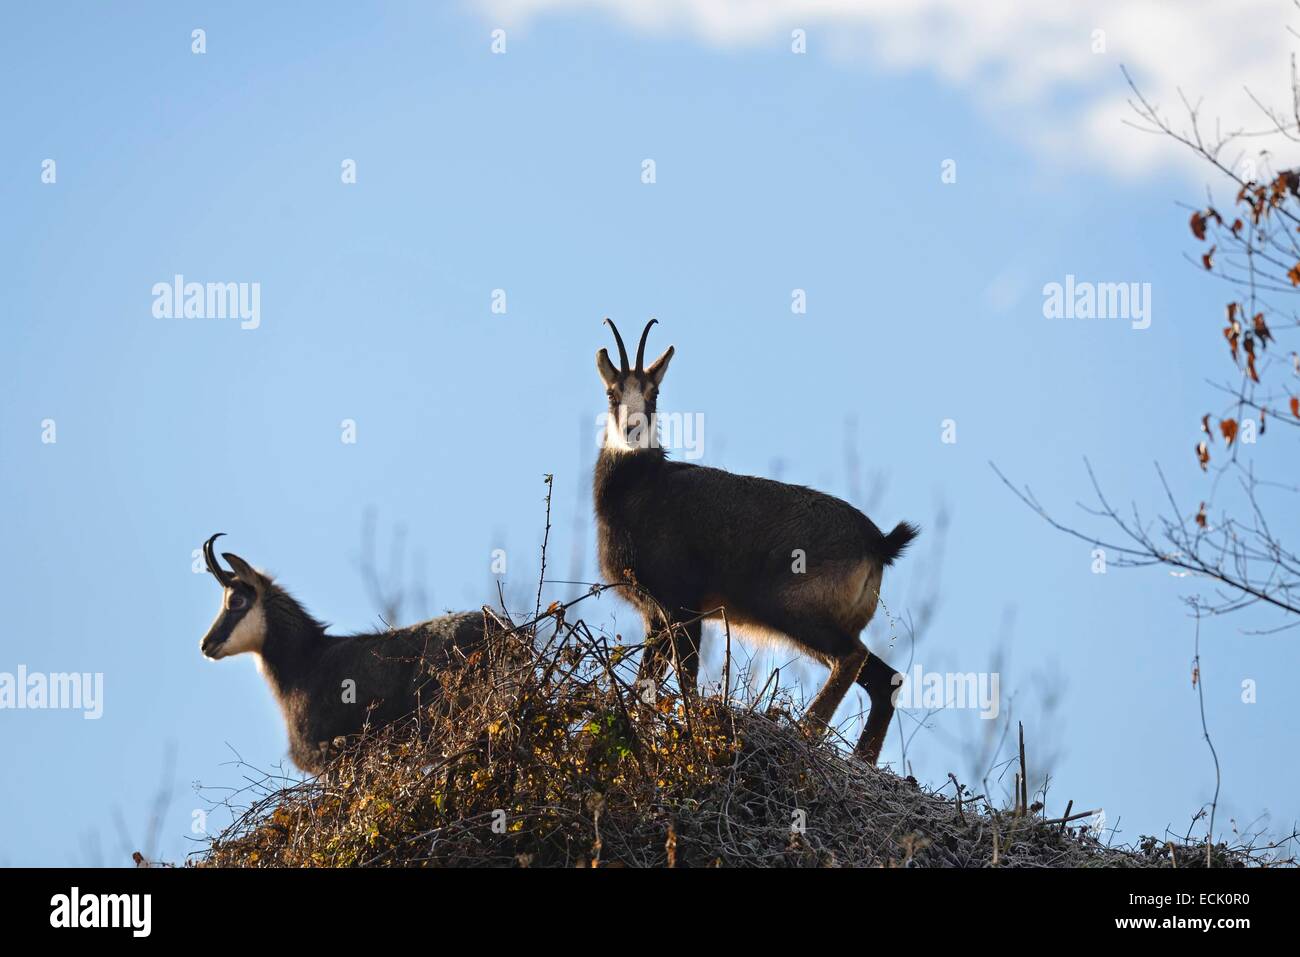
<point>546,752</point>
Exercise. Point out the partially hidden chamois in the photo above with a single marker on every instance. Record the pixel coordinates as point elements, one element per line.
<point>391,673</point>
<point>786,562</point>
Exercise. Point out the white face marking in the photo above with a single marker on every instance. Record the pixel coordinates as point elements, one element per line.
<point>247,636</point>
<point>629,429</point>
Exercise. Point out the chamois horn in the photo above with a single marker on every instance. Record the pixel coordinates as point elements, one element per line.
<point>219,573</point>
<point>640,349</point>
<point>622,351</point>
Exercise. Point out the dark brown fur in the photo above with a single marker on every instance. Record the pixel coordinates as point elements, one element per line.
<point>395,673</point>
<point>392,673</point>
<point>694,538</point>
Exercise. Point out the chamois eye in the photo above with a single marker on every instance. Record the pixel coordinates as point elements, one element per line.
<point>237,602</point>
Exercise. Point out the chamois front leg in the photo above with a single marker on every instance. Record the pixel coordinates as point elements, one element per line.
<point>675,643</point>
<point>655,654</point>
<point>686,654</point>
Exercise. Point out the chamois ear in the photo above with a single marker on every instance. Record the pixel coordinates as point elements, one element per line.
<point>659,367</point>
<point>608,373</point>
<point>245,572</point>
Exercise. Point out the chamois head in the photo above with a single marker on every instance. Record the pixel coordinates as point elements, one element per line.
<point>240,625</point>
<point>633,394</point>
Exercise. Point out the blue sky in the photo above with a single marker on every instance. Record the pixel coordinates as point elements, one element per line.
<point>522,172</point>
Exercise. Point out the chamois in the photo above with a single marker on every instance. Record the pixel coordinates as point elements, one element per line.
<point>786,562</point>
<point>393,672</point>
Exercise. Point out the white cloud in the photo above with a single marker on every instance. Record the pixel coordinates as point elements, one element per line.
<point>1027,64</point>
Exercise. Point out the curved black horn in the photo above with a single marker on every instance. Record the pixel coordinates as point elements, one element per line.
<point>219,573</point>
<point>640,349</point>
<point>622,352</point>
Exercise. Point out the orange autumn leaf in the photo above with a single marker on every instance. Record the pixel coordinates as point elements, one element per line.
<point>1203,454</point>
<point>1294,274</point>
<point>1229,429</point>
<point>1198,225</point>
<point>1205,426</point>
<point>1236,226</point>
<point>1232,311</point>
<point>1207,260</point>
<point>1200,515</point>
<point>1295,406</point>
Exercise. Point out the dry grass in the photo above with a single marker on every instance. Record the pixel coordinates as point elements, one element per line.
<point>543,752</point>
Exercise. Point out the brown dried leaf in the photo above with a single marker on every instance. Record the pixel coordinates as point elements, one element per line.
<point>1248,343</point>
<point>1232,332</point>
<point>1262,330</point>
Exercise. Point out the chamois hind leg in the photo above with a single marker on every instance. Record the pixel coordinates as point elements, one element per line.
<point>826,641</point>
<point>880,683</point>
<point>844,671</point>
<point>831,644</point>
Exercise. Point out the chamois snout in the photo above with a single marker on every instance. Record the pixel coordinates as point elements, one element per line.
<point>240,625</point>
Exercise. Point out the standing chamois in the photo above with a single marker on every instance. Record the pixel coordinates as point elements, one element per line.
<point>393,672</point>
<point>787,563</point>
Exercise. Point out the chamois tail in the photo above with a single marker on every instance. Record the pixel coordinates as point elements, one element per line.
<point>893,544</point>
